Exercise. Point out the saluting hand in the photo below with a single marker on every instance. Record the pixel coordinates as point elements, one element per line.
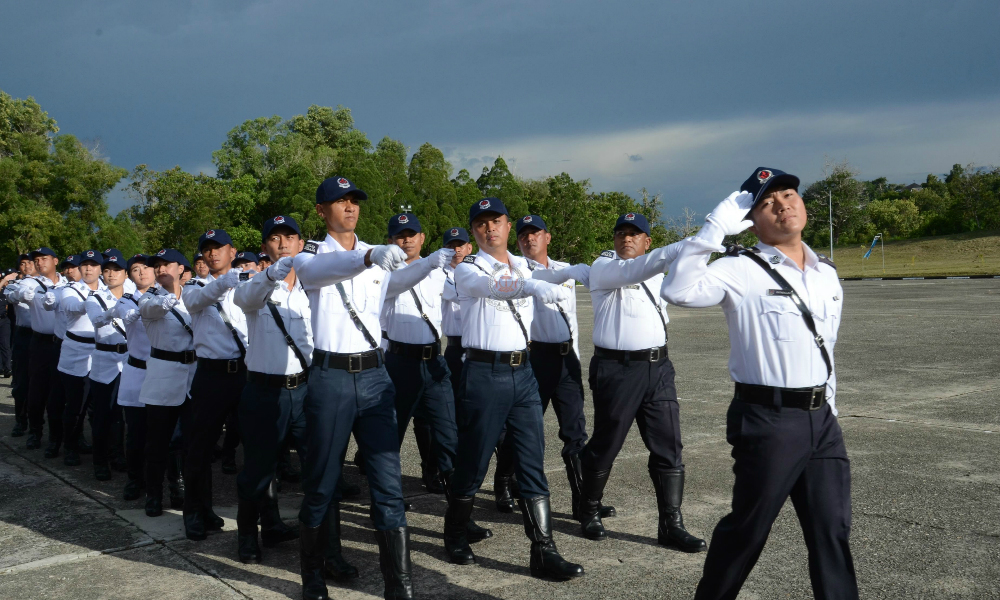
<point>729,215</point>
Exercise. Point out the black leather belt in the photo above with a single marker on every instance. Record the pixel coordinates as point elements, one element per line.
<point>48,337</point>
<point>622,356</point>
<point>562,348</point>
<point>186,357</point>
<point>514,359</point>
<point>135,362</point>
<point>810,398</point>
<point>421,351</point>
<point>116,348</point>
<point>352,363</point>
<point>222,365</point>
<point>23,328</point>
<point>455,340</point>
<point>289,382</point>
<point>79,338</point>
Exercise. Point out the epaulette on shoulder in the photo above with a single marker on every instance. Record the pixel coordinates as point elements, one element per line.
<point>608,254</point>
<point>823,259</point>
<point>310,247</point>
<point>196,282</point>
<point>734,250</point>
<point>127,296</point>
<point>470,259</point>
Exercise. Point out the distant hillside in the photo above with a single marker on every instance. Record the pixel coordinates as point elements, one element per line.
<point>972,253</point>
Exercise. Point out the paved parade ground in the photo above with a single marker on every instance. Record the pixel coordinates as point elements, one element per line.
<point>918,366</point>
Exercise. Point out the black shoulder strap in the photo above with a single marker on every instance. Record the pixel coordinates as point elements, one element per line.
<point>288,339</point>
<point>423,315</point>
<point>114,323</point>
<point>806,313</point>
<point>656,307</point>
<point>44,288</point>
<point>232,329</point>
<point>184,324</point>
<point>510,303</point>
<point>129,296</point>
<point>354,316</point>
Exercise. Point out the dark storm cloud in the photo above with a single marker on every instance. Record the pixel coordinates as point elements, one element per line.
<point>164,81</point>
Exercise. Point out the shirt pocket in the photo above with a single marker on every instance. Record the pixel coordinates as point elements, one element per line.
<point>635,304</point>
<point>782,320</point>
<point>830,317</point>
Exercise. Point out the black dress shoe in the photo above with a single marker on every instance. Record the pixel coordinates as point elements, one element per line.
<point>133,489</point>
<point>176,489</point>
<point>477,533</point>
<point>248,550</point>
<point>72,458</point>
<point>102,472</point>
<point>213,522</point>
<point>194,526</point>
<point>52,450</point>
<point>34,441</point>
<point>6,374</point>
<point>154,506</point>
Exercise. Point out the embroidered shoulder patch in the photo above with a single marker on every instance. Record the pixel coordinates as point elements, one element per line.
<point>825,260</point>
<point>471,259</point>
<point>608,254</point>
<point>310,247</point>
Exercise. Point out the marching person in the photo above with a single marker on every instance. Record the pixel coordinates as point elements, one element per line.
<point>499,389</point>
<point>783,305</point>
<point>169,371</point>
<point>21,346</point>
<point>220,343</point>
<point>133,374</point>
<point>263,261</point>
<point>199,266</point>
<point>278,356</point>
<point>245,261</point>
<point>349,389</point>
<point>110,349</point>
<point>70,268</point>
<point>44,349</point>
<point>66,414</point>
<point>632,380</point>
<point>555,352</point>
<point>456,238</point>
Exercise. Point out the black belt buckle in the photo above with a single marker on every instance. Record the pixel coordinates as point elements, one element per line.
<point>232,366</point>
<point>817,398</point>
<point>189,356</point>
<point>564,348</point>
<point>654,355</point>
<point>292,381</point>
<point>427,352</point>
<point>350,363</point>
<point>516,358</point>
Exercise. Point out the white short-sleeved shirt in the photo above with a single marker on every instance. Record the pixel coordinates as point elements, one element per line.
<point>402,320</point>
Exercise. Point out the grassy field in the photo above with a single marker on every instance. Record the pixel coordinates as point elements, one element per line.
<point>976,253</point>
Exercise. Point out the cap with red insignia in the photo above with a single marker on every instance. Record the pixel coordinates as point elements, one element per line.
<point>765,179</point>
<point>335,188</point>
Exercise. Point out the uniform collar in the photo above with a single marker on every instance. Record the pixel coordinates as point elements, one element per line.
<point>514,261</point>
<point>332,243</point>
<point>776,257</point>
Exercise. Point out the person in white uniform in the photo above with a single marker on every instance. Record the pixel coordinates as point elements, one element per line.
<point>783,304</point>
<point>169,370</point>
<point>21,347</point>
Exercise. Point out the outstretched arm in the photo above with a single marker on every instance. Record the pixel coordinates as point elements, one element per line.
<point>611,273</point>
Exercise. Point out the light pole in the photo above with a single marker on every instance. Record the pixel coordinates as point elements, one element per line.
<point>830,192</point>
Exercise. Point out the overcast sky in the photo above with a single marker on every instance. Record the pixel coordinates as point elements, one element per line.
<point>682,98</point>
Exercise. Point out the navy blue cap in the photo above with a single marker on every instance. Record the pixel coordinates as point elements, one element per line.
<point>764,179</point>
<point>198,256</point>
<point>455,233</point>
<point>403,221</point>
<point>279,221</point>
<point>263,256</point>
<point>43,251</point>
<point>246,255</point>
<point>21,257</point>
<point>335,188</point>
<point>487,205</point>
<point>138,258</point>
<point>219,236</point>
<point>113,256</point>
<point>72,260</point>
<point>529,221</point>
<point>168,255</point>
<point>634,219</point>
<point>91,256</point>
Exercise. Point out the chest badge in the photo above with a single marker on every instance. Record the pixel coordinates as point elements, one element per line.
<point>775,260</point>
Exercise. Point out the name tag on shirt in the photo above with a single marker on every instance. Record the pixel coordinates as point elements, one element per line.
<point>779,292</point>
<point>631,287</point>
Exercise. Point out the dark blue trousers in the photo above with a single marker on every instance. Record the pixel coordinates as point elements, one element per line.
<point>782,452</point>
<point>19,380</point>
<point>494,395</point>
<point>423,388</point>
<point>267,416</point>
<point>103,402</point>
<point>337,404</point>
<point>453,355</point>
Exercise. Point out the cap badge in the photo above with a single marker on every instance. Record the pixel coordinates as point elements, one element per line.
<point>526,219</point>
<point>454,232</point>
<point>484,204</point>
<point>403,219</point>
<point>630,217</point>
<point>161,252</point>
<point>108,250</point>
<point>279,220</point>
<point>343,183</point>
<point>113,258</point>
<point>764,175</point>
<point>210,233</point>
<point>775,259</point>
<point>70,257</point>
<point>90,254</point>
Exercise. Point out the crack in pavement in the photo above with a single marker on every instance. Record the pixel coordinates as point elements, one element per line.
<point>918,423</point>
<point>928,525</point>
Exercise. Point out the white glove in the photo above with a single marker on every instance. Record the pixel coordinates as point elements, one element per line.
<point>390,257</point>
<point>131,316</point>
<point>550,293</point>
<point>280,269</point>
<point>50,299</point>
<point>28,295</point>
<point>441,258</point>
<point>231,279</point>
<point>728,217</point>
<point>104,318</point>
<point>169,301</point>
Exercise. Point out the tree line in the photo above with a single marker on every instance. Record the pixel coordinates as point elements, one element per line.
<point>54,190</point>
